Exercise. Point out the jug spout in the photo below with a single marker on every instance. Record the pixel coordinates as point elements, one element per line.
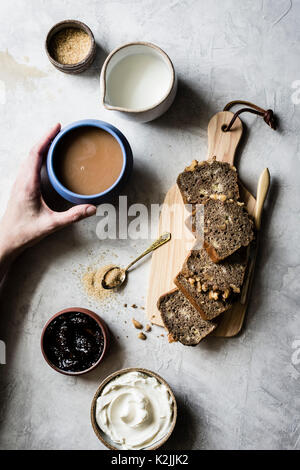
<point>106,103</point>
<point>105,97</point>
<point>103,84</point>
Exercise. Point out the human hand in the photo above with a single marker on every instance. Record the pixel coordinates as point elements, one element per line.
<point>27,218</point>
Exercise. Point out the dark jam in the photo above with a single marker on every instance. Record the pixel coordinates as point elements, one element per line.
<point>73,342</point>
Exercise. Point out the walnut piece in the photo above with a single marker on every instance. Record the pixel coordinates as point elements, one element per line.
<point>218,197</point>
<point>225,294</point>
<point>204,287</point>
<point>192,166</point>
<point>213,295</point>
<point>235,289</point>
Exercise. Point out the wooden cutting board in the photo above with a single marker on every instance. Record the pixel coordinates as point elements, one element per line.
<point>167,261</point>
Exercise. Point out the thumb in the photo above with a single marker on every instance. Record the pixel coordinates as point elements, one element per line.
<point>62,219</point>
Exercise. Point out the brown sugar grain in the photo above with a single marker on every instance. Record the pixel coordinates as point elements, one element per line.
<point>70,46</point>
<point>92,283</point>
<point>114,277</point>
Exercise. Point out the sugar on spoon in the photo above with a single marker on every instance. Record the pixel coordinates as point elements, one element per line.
<point>115,276</point>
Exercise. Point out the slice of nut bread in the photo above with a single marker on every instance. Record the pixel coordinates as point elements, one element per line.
<point>227,227</point>
<point>182,320</point>
<point>225,277</point>
<point>209,303</point>
<point>202,179</point>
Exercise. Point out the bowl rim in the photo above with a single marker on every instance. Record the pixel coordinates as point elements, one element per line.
<point>115,374</point>
<point>89,313</point>
<point>142,110</point>
<point>86,123</point>
<point>75,24</point>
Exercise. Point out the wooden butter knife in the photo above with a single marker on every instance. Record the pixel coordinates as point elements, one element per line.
<point>262,191</point>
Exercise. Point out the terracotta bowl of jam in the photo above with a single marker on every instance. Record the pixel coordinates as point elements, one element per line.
<point>74,341</point>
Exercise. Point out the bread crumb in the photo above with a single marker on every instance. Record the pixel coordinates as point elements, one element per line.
<point>137,324</point>
<point>148,328</point>
<point>134,306</point>
<point>142,336</point>
<point>171,338</point>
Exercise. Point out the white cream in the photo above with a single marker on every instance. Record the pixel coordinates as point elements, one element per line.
<point>135,410</point>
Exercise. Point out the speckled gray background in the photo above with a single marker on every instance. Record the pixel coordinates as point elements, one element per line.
<point>241,393</point>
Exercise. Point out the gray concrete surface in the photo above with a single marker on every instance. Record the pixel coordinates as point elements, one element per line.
<point>240,393</point>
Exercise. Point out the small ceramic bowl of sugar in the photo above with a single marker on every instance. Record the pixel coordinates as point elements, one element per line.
<point>138,80</point>
<point>70,46</point>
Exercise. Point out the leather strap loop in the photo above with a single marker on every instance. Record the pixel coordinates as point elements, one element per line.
<point>267,115</point>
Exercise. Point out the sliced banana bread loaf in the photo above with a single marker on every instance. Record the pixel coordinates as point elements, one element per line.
<point>182,320</point>
<point>225,277</point>
<point>202,179</point>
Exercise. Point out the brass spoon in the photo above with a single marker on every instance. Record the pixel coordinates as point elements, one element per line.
<point>121,273</point>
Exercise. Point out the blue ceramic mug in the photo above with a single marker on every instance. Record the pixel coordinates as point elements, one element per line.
<point>109,193</point>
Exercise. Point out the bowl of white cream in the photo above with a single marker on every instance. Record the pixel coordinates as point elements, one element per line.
<point>133,409</point>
